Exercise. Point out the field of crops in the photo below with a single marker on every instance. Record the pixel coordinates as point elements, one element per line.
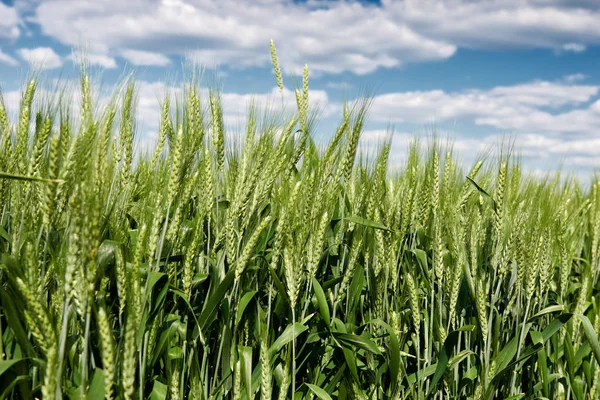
<point>270,265</point>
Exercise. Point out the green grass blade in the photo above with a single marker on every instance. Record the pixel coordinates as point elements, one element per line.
<point>320,393</point>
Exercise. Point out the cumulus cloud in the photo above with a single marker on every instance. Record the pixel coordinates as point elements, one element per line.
<point>11,100</point>
<point>235,105</point>
<point>529,107</point>
<point>538,152</point>
<point>574,47</point>
<point>138,57</point>
<point>43,57</point>
<point>332,36</point>
<point>339,85</point>
<point>574,77</point>
<point>6,59</point>
<point>102,60</point>
<point>552,24</point>
<point>336,37</point>
<point>541,147</point>
<point>9,22</point>
<point>549,121</point>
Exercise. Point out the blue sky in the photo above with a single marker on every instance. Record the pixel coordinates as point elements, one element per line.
<point>476,69</point>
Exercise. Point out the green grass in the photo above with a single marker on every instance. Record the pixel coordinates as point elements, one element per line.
<point>277,266</point>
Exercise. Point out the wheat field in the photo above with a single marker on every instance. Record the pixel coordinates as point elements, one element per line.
<point>277,267</point>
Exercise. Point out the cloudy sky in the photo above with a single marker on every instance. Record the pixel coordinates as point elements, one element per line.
<point>474,69</point>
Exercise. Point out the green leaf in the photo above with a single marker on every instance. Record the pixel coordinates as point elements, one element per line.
<point>175,353</point>
<point>13,319</point>
<point>106,254</point>
<point>28,178</point>
<point>421,256</point>
<point>571,366</point>
<point>199,278</point>
<point>214,302</point>
<point>243,303</point>
<point>547,333</point>
<point>591,336</point>
<point>459,357</point>
<point>159,391</point>
<point>555,325</point>
<point>187,303</point>
<point>290,333</point>
<point>4,235</point>
<point>73,393</point>
<point>357,341</point>
<point>485,194</point>
<point>536,337</point>
<point>366,222</point>
<point>96,390</point>
<point>320,393</point>
<point>394,356</point>
<point>279,286</point>
<point>584,350</point>
<point>158,281</point>
<point>245,354</point>
<point>16,382</point>
<point>471,373</point>
<point>548,310</point>
<point>421,374</point>
<point>8,364</point>
<point>542,363</point>
<point>355,291</point>
<point>221,204</point>
<point>350,361</point>
<point>332,282</point>
<point>444,356</point>
<point>507,353</point>
<point>322,302</point>
<point>154,278</point>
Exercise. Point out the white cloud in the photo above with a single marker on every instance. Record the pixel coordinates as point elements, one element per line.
<point>235,105</point>
<point>11,100</point>
<point>574,47</point>
<point>9,22</point>
<point>339,85</point>
<point>543,93</point>
<point>574,77</point>
<point>6,59</point>
<point>530,107</point>
<point>541,147</point>
<point>139,57</point>
<point>537,151</point>
<point>496,24</point>
<point>149,96</point>
<point>584,162</point>
<point>331,36</point>
<point>102,60</point>
<point>549,121</point>
<point>43,57</point>
<point>341,36</point>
